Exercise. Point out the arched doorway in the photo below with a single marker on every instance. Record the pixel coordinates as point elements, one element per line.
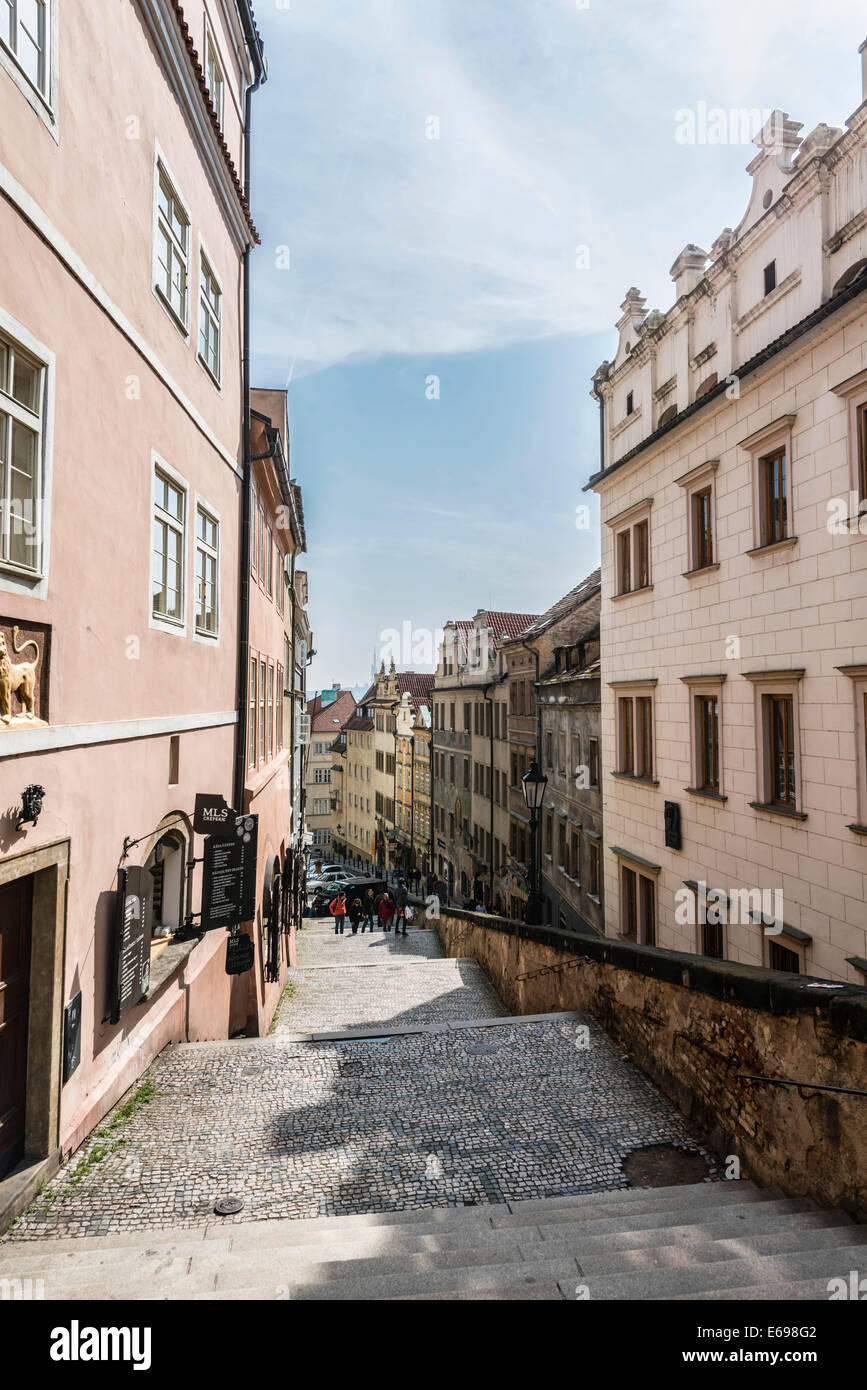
<point>167,864</point>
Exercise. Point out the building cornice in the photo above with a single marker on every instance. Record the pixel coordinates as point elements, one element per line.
<point>174,45</point>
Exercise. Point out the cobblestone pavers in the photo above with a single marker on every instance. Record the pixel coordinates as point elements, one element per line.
<point>370,982</point>
<point>510,1110</point>
<point>308,1129</point>
<point>318,945</point>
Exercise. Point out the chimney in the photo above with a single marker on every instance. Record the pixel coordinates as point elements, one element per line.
<point>688,269</point>
<point>863,51</point>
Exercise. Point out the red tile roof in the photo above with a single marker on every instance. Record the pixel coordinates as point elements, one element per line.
<point>330,718</point>
<point>418,683</point>
<point>508,625</point>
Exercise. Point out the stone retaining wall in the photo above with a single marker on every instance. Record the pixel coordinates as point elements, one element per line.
<point>692,1023</point>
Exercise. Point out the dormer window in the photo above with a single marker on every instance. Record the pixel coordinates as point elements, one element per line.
<point>630,404</point>
<point>770,277</point>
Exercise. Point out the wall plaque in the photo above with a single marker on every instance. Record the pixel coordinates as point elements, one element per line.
<point>132,939</point>
<point>71,1036</point>
<point>24,653</point>
<point>229,876</point>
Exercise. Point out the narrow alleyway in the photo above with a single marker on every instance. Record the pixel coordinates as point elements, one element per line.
<point>446,1103</point>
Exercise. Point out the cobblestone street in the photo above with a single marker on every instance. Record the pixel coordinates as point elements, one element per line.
<point>458,1113</point>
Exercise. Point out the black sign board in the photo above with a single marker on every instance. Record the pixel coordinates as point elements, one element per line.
<point>239,954</point>
<point>229,876</point>
<point>71,1036</point>
<point>672,825</point>
<point>132,965</point>
<point>213,816</point>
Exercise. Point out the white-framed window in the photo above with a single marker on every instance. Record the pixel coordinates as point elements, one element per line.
<point>168,547</point>
<point>770,450</point>
<point>207,572</point>
<point>706,727</point>
<point>270,715</point>
<point>778,741</point>
<point>22,421</point>
<point>634,703</point>
<point>210,318</point>
<point>631,541</point>
<point>254,530</point>
<point>25,28</point>
<point>252,751</point>
<point>699,486</point>
<point>214,73</point>
<point>263,685</point>
<point>171,247</point>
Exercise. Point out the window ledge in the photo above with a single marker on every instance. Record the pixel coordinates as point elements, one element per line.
<point>170,959</point>
<point>772,546</point>
<point>630,593</point>
<point>701,791</point>
<point>700,569</point>
<point>777,810</point>
<point>630,777</point>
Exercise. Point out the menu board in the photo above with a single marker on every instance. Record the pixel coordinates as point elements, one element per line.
<point>229,876</point>
<point>132,939</point>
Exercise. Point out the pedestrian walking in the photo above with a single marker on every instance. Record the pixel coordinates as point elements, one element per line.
<point>386,911</point>
<point>401,901</point>
<point>356,912</point>
<point>337,908</point>
<point>369,910</point>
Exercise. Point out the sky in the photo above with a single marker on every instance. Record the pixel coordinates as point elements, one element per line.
<point>453,197</point>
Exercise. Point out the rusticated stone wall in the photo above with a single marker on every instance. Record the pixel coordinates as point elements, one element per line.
<point>693,1024</point>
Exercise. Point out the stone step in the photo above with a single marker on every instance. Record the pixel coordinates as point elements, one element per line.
<point>704,1191</point>
<point>642,1215</point>
<point>757,1271</point>
<point>799,1290</point>
<point>287,1242</point>
<point>454,1281</point>
<point>669,1253</point>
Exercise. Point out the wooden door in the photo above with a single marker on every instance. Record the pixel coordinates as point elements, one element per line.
<point>16,900</point>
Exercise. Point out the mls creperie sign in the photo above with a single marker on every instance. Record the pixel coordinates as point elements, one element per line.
<point>212,816</point>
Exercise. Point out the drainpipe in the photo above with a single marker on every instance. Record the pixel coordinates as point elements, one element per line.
<point>489,699</point>
<point>254,43</point>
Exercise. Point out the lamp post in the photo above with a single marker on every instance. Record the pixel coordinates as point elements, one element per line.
<point>534,783</point>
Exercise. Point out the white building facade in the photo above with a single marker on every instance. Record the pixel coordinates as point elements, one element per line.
<point>733,490</point>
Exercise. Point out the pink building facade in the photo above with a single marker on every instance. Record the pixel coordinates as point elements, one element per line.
<point>124,229</point>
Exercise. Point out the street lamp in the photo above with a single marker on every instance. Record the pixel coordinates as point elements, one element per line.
<point>534,783</point>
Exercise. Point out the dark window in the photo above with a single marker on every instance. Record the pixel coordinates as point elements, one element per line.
<point>702,504</point>
<point>712,940</point>
<point>629,907</point>
<point>626,746</point>
<point>781,958</point>
<point>781,729</point>
<point>707,727</point>
<point>594,762</point>
<point>647,898</point>
<point>593,873</point>
<point>624,569</point>
<point>643,737</point>
<point>629,403</point>
<point>642,554</point>
<point>772,496</point>
<point>770,277</point>
<point>862,452</point>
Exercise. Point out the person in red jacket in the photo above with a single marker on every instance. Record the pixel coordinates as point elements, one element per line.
<point>386,911</point>
<point>337,908</point>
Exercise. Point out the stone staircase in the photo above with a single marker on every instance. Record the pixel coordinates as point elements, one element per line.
<point>702,1241</point>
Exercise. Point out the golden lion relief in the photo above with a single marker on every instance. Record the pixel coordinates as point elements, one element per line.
<point>18,679</point>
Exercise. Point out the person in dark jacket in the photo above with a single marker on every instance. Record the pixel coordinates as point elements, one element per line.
<point>369,911</point>
<point>356,912</point>
<point>401,901</point>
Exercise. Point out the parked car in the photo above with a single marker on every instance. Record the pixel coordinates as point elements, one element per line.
<point>354,887</point>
